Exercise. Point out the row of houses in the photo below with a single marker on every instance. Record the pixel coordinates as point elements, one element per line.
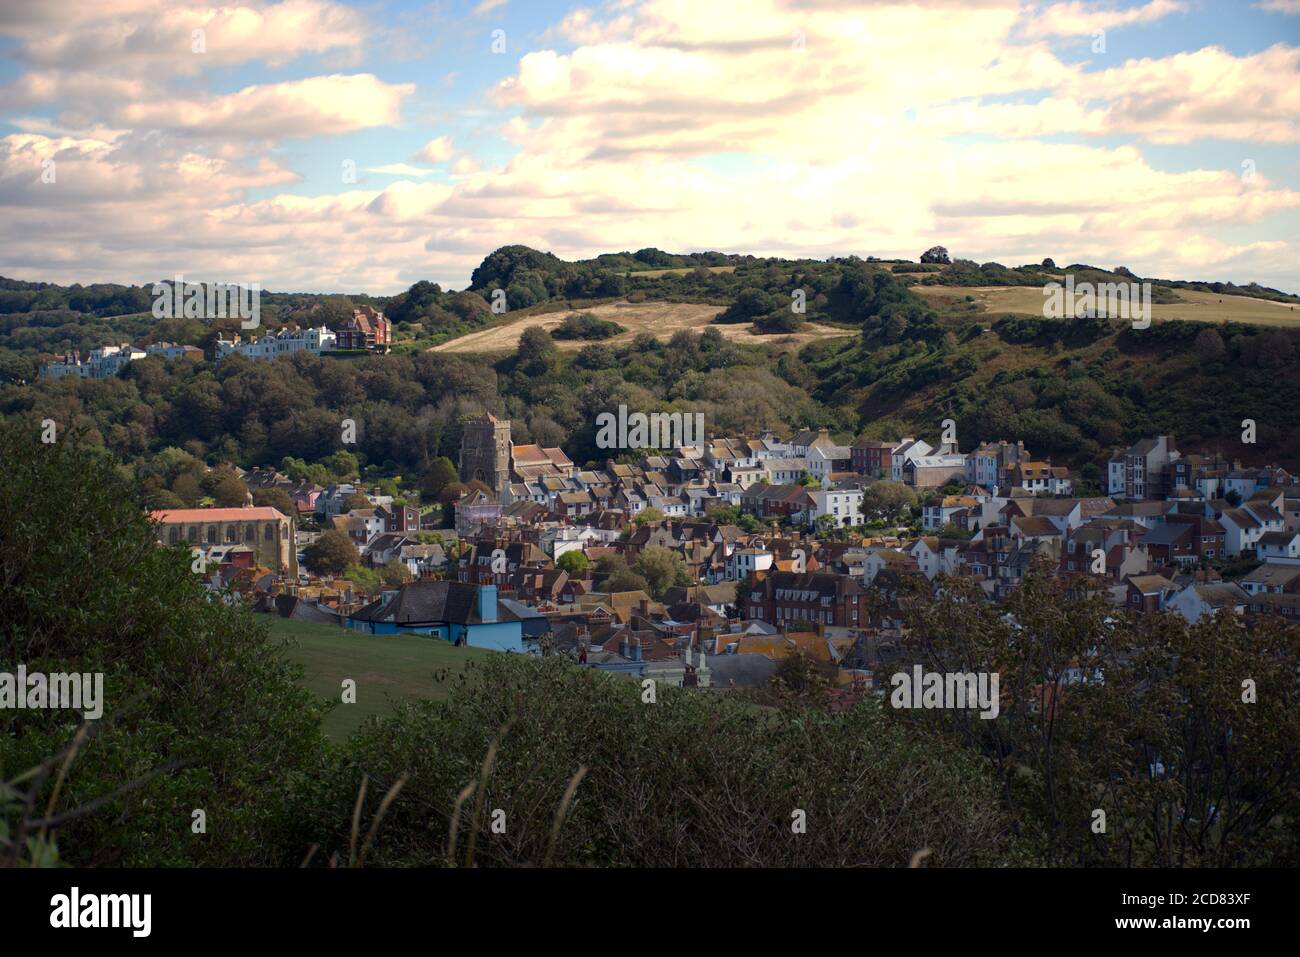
<point>366,330</point>
<point>808,477</point>
<point>107,361</point>
<point>1154,469</point>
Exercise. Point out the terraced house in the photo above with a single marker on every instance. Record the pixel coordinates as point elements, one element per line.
<point>783,597</point>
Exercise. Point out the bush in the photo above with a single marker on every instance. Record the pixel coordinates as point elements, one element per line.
<point>692,779</point>
<point>584,325</point>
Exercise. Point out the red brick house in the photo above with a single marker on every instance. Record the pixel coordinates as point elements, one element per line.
<point>780,598</point>
<point>367,329</point>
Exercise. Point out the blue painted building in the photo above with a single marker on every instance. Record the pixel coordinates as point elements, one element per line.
<point>452,611</point>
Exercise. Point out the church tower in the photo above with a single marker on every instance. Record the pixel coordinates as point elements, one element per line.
<point>485,452</point>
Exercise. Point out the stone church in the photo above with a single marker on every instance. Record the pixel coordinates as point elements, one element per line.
<point>485,452</point>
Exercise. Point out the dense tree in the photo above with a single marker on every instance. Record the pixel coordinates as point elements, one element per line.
<point>199,709</point>
<point>574,562</point>
<point>276,498</point>
<point>229,491</point>
<point>613,574</point>
<point>649,516</point>
<point>331,554</point>
<point>537,354</point>
<point>888,500</point>
<point>440,473</point>
<point>186,488</point>
<point>394,573</point>
<point>661,568</point>
<point>1209,346</point>
<point>1163,726</point>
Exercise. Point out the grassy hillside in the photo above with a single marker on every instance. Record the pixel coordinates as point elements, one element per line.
<point>387,669</point>
<point>1189,304</point>
<point>659,318</point>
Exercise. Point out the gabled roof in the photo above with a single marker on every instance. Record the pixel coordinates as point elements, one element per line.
<point>1221,594</point>
<point>1240,518</point>
<point>1272,574</point>
<point>427,602</point>
<point>1169,533</point>
<point>1035,525</point>
<point>1281,539</point>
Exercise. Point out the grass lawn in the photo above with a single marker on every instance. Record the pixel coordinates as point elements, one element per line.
<point>384,667</point>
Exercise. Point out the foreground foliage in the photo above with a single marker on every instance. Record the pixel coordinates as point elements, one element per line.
<point>690,780</point>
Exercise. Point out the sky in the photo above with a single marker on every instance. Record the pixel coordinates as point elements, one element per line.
<point>325,146</point>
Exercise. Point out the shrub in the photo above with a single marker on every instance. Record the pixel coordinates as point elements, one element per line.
<point>691,779</point>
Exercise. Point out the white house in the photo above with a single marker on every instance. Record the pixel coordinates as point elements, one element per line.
<point>842,504</point>
<point>1207,599</point>
<point>1281,548</point>
<point>910,450</point>
<point>878,559</point>
<point>782,471</point>
<point>743,561</point>
<point>101,363</point>
<point>1245,526</point>
<point>935,517</point>
<point>934,558</point>
<point>283,342</point>
<point>822,458</point>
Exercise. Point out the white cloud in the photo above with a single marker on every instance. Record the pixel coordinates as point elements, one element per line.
<point>316,105</point>
<point>437,150</point>
<point>1077,17</point>
<point>400,169</point>
<point>136,37</point>
<point>656,128</point>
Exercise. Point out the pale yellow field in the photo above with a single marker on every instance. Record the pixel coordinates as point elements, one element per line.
<point>1202,306</point>
<point>661,319</point>
<point>653,273</point>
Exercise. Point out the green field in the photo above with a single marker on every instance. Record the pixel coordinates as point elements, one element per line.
<point>385,668</point>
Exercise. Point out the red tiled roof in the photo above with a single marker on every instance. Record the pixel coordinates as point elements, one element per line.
<point>259,514</point>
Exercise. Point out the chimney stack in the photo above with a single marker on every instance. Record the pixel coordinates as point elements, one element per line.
<point>487,602</point>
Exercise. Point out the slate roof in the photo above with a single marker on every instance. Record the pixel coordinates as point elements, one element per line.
<point>427,602</point>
